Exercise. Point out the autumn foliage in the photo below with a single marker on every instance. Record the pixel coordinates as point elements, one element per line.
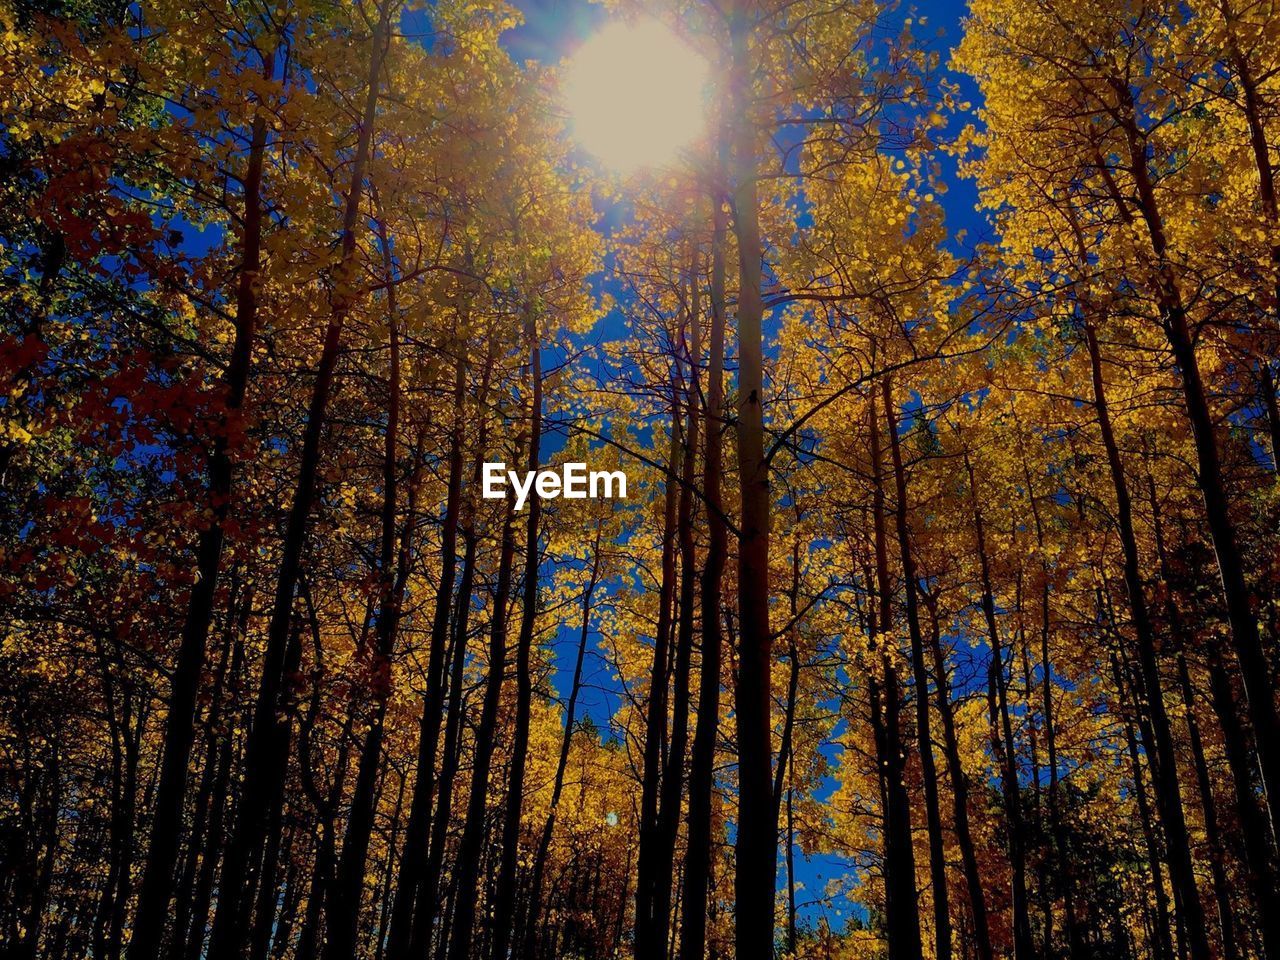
<point>942,617</point>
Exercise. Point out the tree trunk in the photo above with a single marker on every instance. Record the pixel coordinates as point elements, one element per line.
<point>757,838</point>
<point>1164,947</point>
<point>342,907</point>
<point>473,833</point>
<point>534,920</point>
<point>179,733</point>
<point>505,908</point>
<point>413,859</point>
<point>902,909</point>
<point>1254,668</point>
<point>649,939</point>
<point>1164,769</point>
<point>702,763</point>
<point>1257,840</point>
<point>260,775</point>
<point>427,909</point>
<point>1002,743</point>
<point>1209,807</point>
<point>669,810</point>
<point>959,793</point>
<point>937,857</point>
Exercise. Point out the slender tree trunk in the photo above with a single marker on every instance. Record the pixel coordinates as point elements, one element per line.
<point>649,939</point>
<point>1162,932</point>
<point>204,840</point>
<point>901,908</point>
<point>757,838</point>
<point>193,946</point>
<point>179,733</point>
<point>473,833</point>
<point>534,920</point>
<point>937,857</point>
<point>702,764</point>
<point>1258,844</point>
<point>413,859</point>
<point>1002,742</point>
<point>1257,841</point>
<point>1209,807</point>
<point>959,793</point>
<point>1075,941</point>
<point>342,908</point>
<point>1164,769</point>
<point>669,810</point>
<point>260,775</point>
<point>1254,668</point>
<point>505,909</point>
<point>1253,108</point>
<point>427,909</point>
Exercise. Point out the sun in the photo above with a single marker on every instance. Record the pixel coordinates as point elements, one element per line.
<point>636,95</point>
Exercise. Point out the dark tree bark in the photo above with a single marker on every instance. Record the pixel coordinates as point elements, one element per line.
<point>669,809</point>
<point>902,909</point>
<point>1213,833</point>
<point>1235,590</point>
<point>1257,839</point>
<point>342,906</point>
<point>413,859</point>
<point>1164,768</point>
<point>192,947</point>
<point>1002,742</point>
<point>702,764</point>
<point>504,916</point>
<point>473,833</point>
<point>1161,933</point>
<point>755,867</point>
<point>427,909</point>
<point>959,792</point>
<point>156,886</point>
<point>260,775</point>
<point>650,939</point>
<point>534,919</point>
<point>208,802</point>
<point>937,858</point>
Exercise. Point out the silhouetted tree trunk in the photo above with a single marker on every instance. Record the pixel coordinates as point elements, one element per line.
<point>325,802</point>
<point>473,833</point>
<point>260,774</point>
<point>1244,625</point>
<point>156,886</point>
<point>1164,945</point>
<point>959,791</point>
<point>702,763</point>
<point>342,907</point>
<point>902,909</point>
<point>413,859</point>
<point>427,909</point>
<point>650,940</point>
<point>937,859</point>
<point>1164,768</point>
<point>669,809</point>
<point>757,839</point>
<point>1002,742</point>
<point>192,947</point>
<point>534,920</point>
<point>1257,843</point>
<point>205,833</point>
<point>505,908</point>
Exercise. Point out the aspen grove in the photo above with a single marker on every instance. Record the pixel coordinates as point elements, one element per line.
<point>930,603</point>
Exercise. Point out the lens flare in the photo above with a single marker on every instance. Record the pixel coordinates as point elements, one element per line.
<point>635,93</point>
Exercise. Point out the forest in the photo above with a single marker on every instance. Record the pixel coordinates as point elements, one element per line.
<point>941,615</point>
